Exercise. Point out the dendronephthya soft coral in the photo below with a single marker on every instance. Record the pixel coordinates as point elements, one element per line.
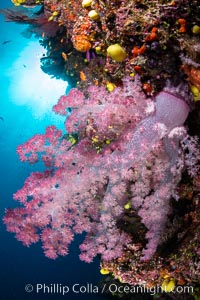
<point>128,149</point>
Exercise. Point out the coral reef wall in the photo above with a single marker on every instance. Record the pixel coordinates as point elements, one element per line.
<point>126,170</point>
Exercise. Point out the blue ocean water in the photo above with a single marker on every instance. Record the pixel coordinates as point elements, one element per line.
<point>26,98</point>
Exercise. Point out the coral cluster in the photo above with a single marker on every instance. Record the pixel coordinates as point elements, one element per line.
<point>155,37</point>
<point>128,149</point>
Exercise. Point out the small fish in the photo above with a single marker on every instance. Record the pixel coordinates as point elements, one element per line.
<point>72,138</point>
<point>64,56</point>
<point>1,118</point>
<point>82,76</point>
<point>96,82</point>
<point>29,6</point>
<point>6,42</point>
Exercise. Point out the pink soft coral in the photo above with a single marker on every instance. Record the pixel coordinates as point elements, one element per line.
<point>128,147</point>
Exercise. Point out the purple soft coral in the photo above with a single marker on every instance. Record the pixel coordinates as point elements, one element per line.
<point>128,149</point>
